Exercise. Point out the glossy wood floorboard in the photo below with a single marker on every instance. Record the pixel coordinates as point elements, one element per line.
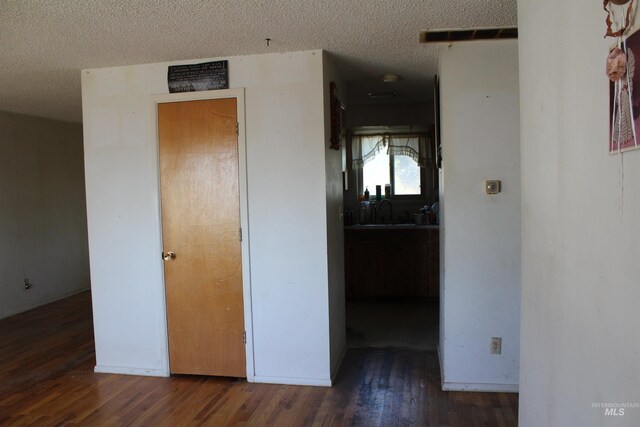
<point>46,379</point>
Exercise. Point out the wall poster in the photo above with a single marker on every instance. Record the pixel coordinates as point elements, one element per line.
<point>624,106</point>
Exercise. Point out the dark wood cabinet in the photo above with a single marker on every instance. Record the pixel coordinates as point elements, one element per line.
<point>392,262</point>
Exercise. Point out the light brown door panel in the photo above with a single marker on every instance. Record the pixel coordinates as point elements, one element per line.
<point>201,223</point>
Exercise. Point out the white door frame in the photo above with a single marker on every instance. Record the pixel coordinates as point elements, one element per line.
<point>238,94</point>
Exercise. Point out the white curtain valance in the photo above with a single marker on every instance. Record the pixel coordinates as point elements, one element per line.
<point>365,148</point>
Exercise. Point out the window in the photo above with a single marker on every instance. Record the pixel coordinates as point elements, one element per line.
<point>392,160</point>
<point>406,176</point>
<point>376,172</point>
<point>401,172</point>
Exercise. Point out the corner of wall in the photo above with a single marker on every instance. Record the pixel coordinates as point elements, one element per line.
<point>335,234</point>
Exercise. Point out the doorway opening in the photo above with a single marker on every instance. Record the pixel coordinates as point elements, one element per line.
<point>391,236</point>
<point>201,141</point>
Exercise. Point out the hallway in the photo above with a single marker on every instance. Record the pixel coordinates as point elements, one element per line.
<point>411,325</point>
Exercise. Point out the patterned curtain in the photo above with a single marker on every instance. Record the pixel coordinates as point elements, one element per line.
<point>365,148</point>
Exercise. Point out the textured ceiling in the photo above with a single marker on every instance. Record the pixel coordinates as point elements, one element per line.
<point>45,43</point>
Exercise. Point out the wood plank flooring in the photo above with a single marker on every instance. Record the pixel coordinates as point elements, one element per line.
<point>46,379</point>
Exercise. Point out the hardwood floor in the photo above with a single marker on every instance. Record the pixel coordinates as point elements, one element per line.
<point>46,379</point>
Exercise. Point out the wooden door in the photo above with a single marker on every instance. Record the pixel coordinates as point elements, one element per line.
<point>201,226</point>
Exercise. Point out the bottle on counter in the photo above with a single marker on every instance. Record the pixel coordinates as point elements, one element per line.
<point>348,217</point>
<point>366,194</point>
<point>364,212</point>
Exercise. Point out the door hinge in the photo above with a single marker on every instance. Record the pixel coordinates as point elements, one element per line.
<point>237,128</point>
<point>240,234</point>
<point>244,337</point>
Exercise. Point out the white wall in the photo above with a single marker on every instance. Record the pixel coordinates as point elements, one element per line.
<point>43,228</point>
<point>335,230</point>
<point>580,269</point>
<point>285,135</point>
<point>480,287</point>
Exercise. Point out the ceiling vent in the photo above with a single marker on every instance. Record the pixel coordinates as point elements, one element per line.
<point>443,36</point>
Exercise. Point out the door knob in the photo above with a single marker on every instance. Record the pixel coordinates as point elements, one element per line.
<point>168,256</point>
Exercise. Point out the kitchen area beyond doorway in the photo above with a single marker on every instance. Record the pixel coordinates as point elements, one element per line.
<point>391,237</point>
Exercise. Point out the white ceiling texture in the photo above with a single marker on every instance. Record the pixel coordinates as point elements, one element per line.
<point>45,43</point>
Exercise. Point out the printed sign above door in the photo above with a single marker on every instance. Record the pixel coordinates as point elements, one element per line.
<point>197,77</point>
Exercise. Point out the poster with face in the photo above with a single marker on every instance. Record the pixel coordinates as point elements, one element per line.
<point>625,102</point>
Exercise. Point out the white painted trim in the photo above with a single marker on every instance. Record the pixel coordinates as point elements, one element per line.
<point>130,371</point>
<point>441,370</point>
<point>244,207</point>
<point>293,381</point>
<point>336,368</point>
<point>494,388</point>
<point>44,302</point>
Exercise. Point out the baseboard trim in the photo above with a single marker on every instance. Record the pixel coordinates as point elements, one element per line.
<point>99,369</point>
<point>493,388</point>
<point>336,368</point>
<point>292,381</point>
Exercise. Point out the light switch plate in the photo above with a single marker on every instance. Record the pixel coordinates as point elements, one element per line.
<point>492,186</point>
